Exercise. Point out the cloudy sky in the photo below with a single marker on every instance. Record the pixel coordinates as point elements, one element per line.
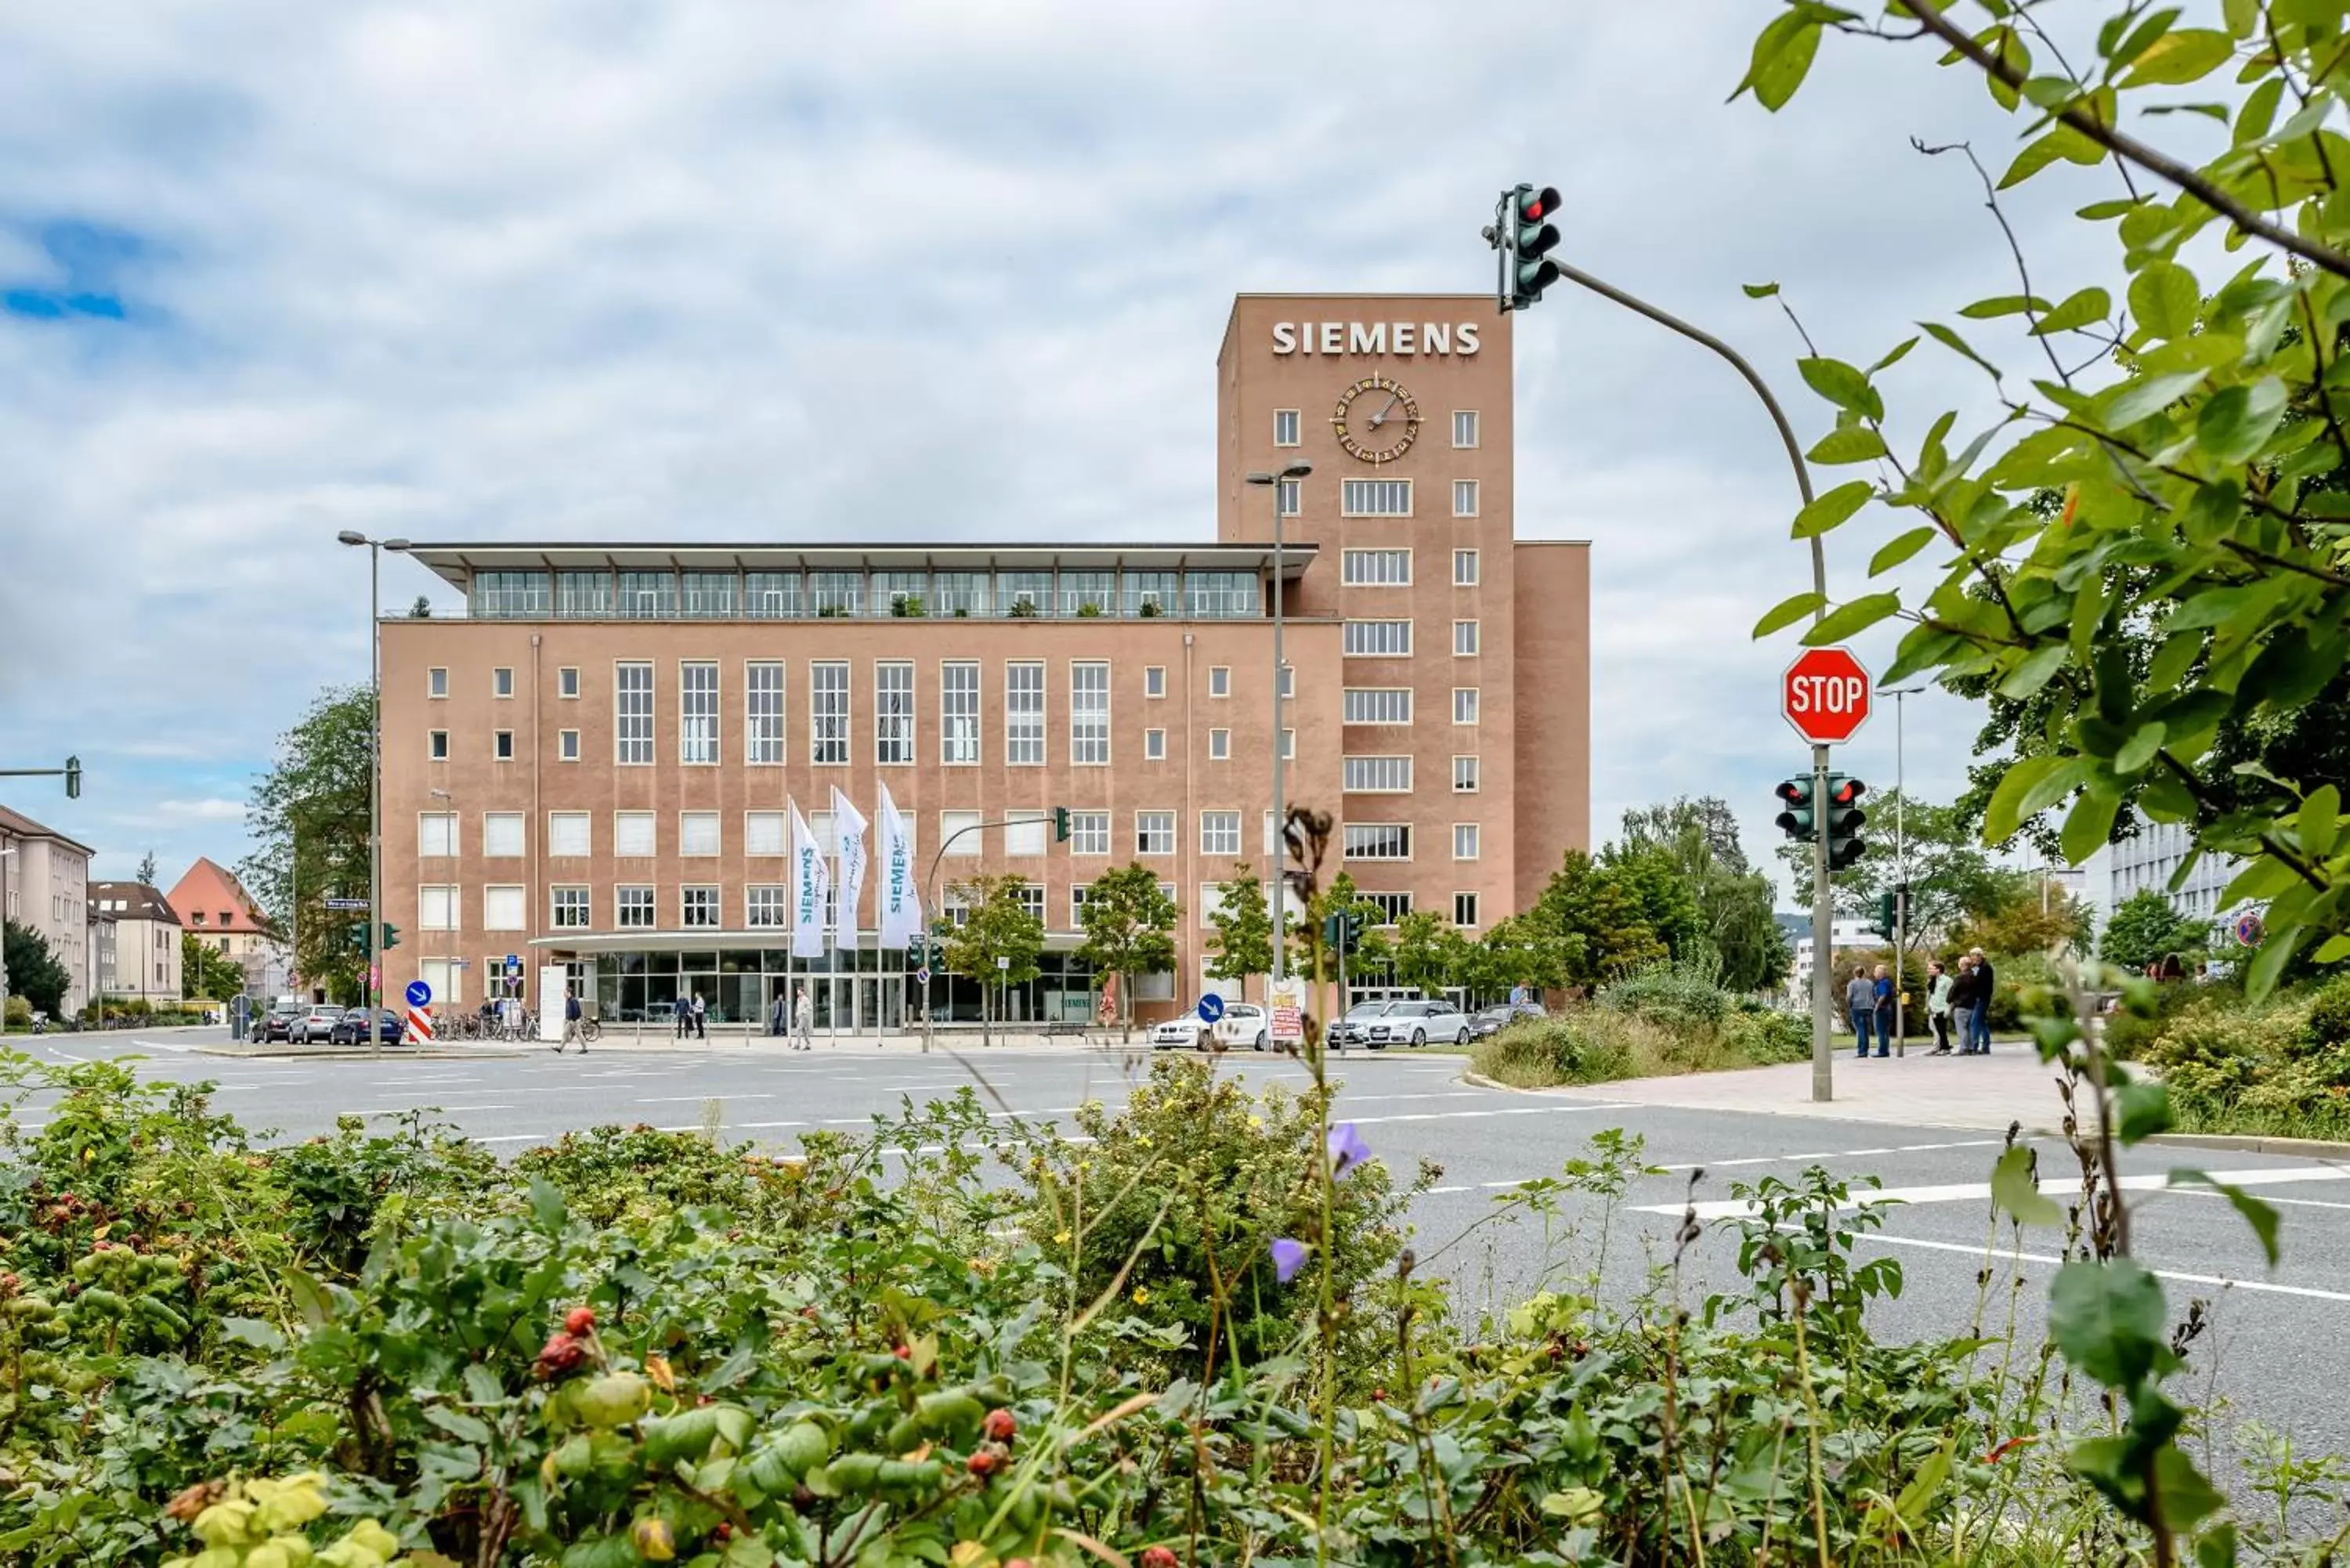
<point>713,269</point>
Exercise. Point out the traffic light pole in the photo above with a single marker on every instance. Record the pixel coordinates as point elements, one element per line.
<point>1823,914</point>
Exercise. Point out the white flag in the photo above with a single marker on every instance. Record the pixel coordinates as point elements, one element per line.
<point>811,880</point>
<point>900,896</point>
<point>849,841</point>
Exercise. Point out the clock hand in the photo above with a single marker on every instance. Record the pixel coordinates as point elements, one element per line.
<point>1381,417</point>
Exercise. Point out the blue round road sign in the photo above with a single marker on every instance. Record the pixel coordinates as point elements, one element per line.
<point>1211,1008</point>
<point>418,994</point>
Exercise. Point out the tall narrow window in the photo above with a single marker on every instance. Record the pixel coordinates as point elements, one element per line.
<point>1293,492</point>
<point>762,710</point>
<point>1089,714</point>
<point>567,682</point>
<point>1464,909</point>
<point>697,713</point>
<point>1464,638</point>
<point>1464,427</point>
<point>1464,498</point>
<point>959,713</point>
<point>1154,745</point>
<point>1464,568</point>
<point>632,714</point>
<point>1154,681</point>
<point>1220,745</point>
<point>829,712</point>
<point>1464,704</point>
<point>1024,714</point>
<point>893,711</point>
<point>1464,841</point>
<point>436,683</point>
<point>1285,427</point>
<point>1464,775</point>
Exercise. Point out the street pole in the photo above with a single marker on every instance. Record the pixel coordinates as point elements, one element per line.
<point>933,912</point>
<point>372,984</point>
<point>1823,918</point>
<point>1280,888</point>
<point>1900,867</point>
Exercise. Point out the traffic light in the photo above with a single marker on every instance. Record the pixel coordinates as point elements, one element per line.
<point>1886,923</point>
<point>73,778</point>
<point>1524,236</point>
<point>1800,818</point>
<point>1844,821</point>
<point>1334,933</point>
<point>391,937</point>
<point>1060,824</point>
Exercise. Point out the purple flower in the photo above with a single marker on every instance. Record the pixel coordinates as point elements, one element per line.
<point>1347,1149</point>
<point>1288,1257</point>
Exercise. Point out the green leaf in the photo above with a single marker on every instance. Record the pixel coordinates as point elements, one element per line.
<point>2014,1190</point>
<point>1833,509</point>
<point>2140,748</point>
<point>2108,1320</point>
<point>2185,1497</point>
<point>2260,977</point>
<point>2243,17</point>
<point>1894,356</point>
<point>2235,423</point>
<point>1957,345</point>
<point>1754,291</point>
<point>2176,59</point>
<point>1847,620</point>
<point>2061,143</point>
<point>1783,614</point>
<point>457,1424</point>
<point>1853,444</point>
<point>2005,811</point>
<point>2144,1105</point>
<point>2149,395</point>
<point>2164,298</point>
<point>2034,670</point>
<point>547,1203</point>
<point>1842,385</point>
<point>1782,57</point>
<point>2320,821</point>
<point>2262,1216</point>
<point>2335,950</point>
<point>2002,305</point>
<point>1900,549</point>
<point>2088,825</point>
<point>263,1336</point>
<point>2078,310</point>
<point>311,1299</point>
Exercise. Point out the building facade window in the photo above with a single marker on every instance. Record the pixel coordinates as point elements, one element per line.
<point>632,907</point>
<point>1464,775</point>
<point>698,834</point>
<point>567,683</point>
<point>502,745</point>
<point>634,835</point>
<point>697,907</point>
<point>1375,497</point>
<point>1154,833</point>
<point>1376,705</point>
<point>1289,745</point>
<point>436,683</point>
<point>959,713</point>
<point>1465,838</point>
<point>764,905</point>
<point>829,712</point>
<point>1154,745</point>
<point>1376,776</point>
<point>1032,900</point>
<point>1464,568</point>
<point>710,595</point>
<point>1375,568</point>
<point>648,596</point>
<point>961,594</point>
<point>502,682</point>
<point>436,835</point>
<point>1464,498</point>
<point>511,596</point>
<point>1219,833</point>
<point>1376,639</point>
<point>1464,909</point>
<point>893,713</point>
<point>502,910</point>
<point>837,593</point>
<point>1220,745</point>
<point>436,907</point>
<point>901,593</point>
<point>632,714</point>
<point>1464,429</point>
<point>1292,493</point>
<point>961,835</point>
<point>1077,905</point>
<point>764,833</point>
<point>1464,640</point>
<point>1392,907</point>
<point>585,596</point>
<point>772,596</point>
<point>1222,595</point>
<point>1377,841</point>
<point>1220,680</point>
<point>1088,593</point>
<point>1288,682</point>
<point>1089,714</point>
<point>569,909</point>
<point>1286,422</point>
<point>1153,593</point>
<point>1154,681</point>
<point>763,711</point>
<point>1023,713</point>
<point>1464,704</point>
<point>1023,593</point>
<point>570,832</point>
<point>1089,833</point>
<point>697,713</point>
<point>1025,832</point>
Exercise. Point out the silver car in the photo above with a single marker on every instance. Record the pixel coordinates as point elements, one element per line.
<point>316,1026</point>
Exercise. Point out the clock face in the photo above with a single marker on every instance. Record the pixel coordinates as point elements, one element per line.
<point>1377,420</point>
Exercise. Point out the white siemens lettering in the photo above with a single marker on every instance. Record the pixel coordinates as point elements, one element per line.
<point>1349,338</point>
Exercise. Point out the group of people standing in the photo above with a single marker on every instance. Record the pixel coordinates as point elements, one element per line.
<point>797,1015</point>
<point>1956,1004</point>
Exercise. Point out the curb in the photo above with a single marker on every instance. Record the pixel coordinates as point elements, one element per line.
<point>2308,1147</point>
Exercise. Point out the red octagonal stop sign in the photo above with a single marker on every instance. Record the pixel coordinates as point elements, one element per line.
<point>1826,695</point>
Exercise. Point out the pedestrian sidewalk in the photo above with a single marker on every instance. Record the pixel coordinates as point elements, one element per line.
<point>1986,1092</point>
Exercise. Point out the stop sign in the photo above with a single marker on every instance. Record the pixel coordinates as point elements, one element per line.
<point>1825,695</point>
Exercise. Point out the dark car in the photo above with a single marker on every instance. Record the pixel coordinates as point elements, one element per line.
<point>1491,1021</point>
<point>350,1029</point>
<point>277,1024</point>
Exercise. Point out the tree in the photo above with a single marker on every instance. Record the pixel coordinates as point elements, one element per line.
<point>999,926</point>
<point>146,868</point>
<point>1953,878</point>
<point>206,973</point>
<point>1598,924</point>
<point>1243,945</point>
<point>2042,919</point>
<point>1734,900</point>
<point>421,609</point>
<point>309,820</point>
<point>2143,930</point>
<point>2145,546</point>
<point>1652,875</point>
<point>34,971</point>
<point>1129,924</point>
<point>1514,950</point>
<point>1427,952</point>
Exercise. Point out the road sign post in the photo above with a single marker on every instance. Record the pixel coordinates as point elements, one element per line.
<point>1824,697</point>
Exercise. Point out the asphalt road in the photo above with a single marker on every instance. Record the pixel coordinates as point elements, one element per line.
<point>2279,1350</point>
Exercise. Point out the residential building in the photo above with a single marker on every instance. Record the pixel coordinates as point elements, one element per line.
<point>146,941</point>
<point>212,903</point>
<point>44,887</point>
<point>2150,858</point>
<point>98,951</point>
<point>1844,934</point>
<point>594,765</point>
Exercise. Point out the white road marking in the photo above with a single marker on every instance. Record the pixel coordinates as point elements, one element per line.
<point>1977,1249</point>
<point>1560,1109</point>
<point>2054,1187</point>
<point>2295,1202</point>
<point>411,1082</point>
<point>420,1106</point>
<point>675,1100</point>
<point>1832,1154</point>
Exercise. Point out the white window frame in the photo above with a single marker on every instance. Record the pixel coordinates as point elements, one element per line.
<point>1468,639</point>
<point>1377,838</point>
<point>1468,841</point>
<point>1089,833</point>
<point>1376,774</point>
<point>502,683</point>
<point>1026,833</point>
<point>1376,639</point>
<point>697,713</point>
<point>436,907</point>
<point>567,683</point>
<point>1220,681</point>
<point>569,899</point>
<point>1288,426</point>
<point>436,834</point>
<point>632,713</point>
<point>504,836</point>
<point>1383,567</point>
<point>1154,745</point>
<point>1220,834</point>
<point>502,745</point>
<point>893,730</point>
<point>1465,901</point>
<point>1386,706</point>
<point>635,907</point>
<point>1466,702</point>
<point>1220,745</point>
<point>766,906</point>
<point>436,684</point>
<point>700,835</point>
<point>1154,681</point>
<point>566,745</point>
<point>707,895</point>
<point>1289,745</point>
<point>1466,568</point>
<point>626,828</point>
<point>1465,773</point>
<point>436,746</point>
<point>1464,429</point>
<point>506,907</point>
<point>830,711</point>
<point>958,713</point>
<point>568,829</point>
<point>1464,498</point>
<point>763,706</point>
<point>1289,495</point>
<point>766,833</point>
<point>1154,827</point>
<point>1393,907</point>
<point>1375,497</point>
<point>1089,712</point>
<point>1023,713</point>
<point>970,845</point>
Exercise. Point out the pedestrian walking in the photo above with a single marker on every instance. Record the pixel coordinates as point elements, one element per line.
<point>683,1007</point>
<point>1860,1004</point>
<point>802,1022</point>
<point>1886,1002</point>
<point>1964,996</point>
<point>776,1021</point>
<point>701,1017</point>
<point>1938,1005</point>
<point>1986,981</point>
<point>570,1024</point>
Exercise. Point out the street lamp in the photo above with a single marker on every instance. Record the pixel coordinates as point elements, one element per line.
<point>1900,932</point>
<point>1274,481</point>
<point>371,987</point>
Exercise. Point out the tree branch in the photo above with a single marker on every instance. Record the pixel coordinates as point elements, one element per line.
<point>2022,272</point>
<point>2155,161</point>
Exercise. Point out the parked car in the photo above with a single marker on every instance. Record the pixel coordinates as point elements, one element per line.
<point>1355,1027</point>
<point>350,1029</point>
<point>278,1022</point>
<point>1243,1023</point>
<point>1491,1021</point>
<point>315,1024</point>
<point>1415,1022</point>
<point>1177,1033</point>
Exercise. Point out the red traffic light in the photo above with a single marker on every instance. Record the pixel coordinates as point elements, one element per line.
<point>1847,790</point>
<point>1793,789</point>
<point>1534,205</point>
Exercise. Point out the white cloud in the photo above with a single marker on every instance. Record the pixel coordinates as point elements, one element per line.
<point>201,810</point>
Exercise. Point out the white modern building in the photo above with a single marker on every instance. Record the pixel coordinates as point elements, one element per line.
<point>1844,934</point>
<point>2150,859</point>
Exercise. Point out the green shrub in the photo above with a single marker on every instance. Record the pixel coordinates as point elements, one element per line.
<point>17,1014</point>
<point>1686,994</point>
<point>2329,1012</point>
<point>1767,1037</point>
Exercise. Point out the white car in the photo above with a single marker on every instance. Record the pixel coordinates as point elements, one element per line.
<point>1244,1023</point>
<point>316,1026</point>
<point>1416,1023</point>
<point>1177,1033</point>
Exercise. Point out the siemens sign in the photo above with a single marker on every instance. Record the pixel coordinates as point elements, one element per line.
<point>1340,337</point>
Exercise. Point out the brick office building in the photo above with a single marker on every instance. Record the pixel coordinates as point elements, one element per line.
<point>592,765</point>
